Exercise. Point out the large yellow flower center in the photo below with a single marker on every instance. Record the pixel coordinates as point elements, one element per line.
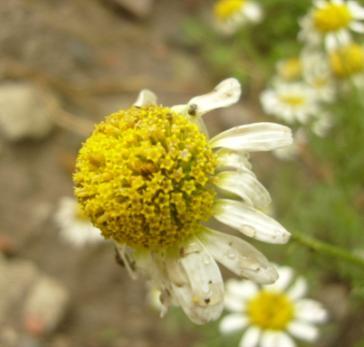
<point>332,17</point>
<point>225,9</point>
<point>292,100</point>
<point>347,61</point>
<point>143,178</point>
<point>270,310</point>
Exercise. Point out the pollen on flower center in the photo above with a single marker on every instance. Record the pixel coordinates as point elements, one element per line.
<point>224,9</point>
<point>292,100</point>
<point>143,177</point>
<point>347,61</point>
<point>332,17</point>
<point>270,310</point>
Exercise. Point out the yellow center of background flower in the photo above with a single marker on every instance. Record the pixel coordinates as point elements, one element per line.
<point>332,17</point>
<point>290,69</point>
<point>347,61</point>
<point>270,310</point>
<point>224,9</point>
<point>292,100</point>
<point>143,178</point>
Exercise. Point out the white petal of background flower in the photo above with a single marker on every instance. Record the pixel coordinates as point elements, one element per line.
<point>250,338</point>
<point>276,339</point>
<point>310,311</point>
<point>298,289</point>
<point>233,322</point>
<point>303,331</point>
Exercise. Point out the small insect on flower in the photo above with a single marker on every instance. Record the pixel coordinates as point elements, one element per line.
<point>330,21</point>
<point>231,15</point>
<point>148,177</point>
<point>75,228</point>
<point>292,102</point>
<point>270,315</point>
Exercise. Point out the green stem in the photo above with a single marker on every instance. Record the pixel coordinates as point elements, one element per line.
<point>328,249</point>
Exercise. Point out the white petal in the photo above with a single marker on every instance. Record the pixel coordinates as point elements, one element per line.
<point>250,222</point>
<point>285,275</point>
<point>240,257</point>
<point>245,185</point>
<point>358,27</point>
<point>234,304</point>
<point>298,289</point>
<point>145,98</point>
<point>224,94</point>
<point>253,11</point>
<point>229,160</point>
<point>310,311</point>
<point>241,289</point>
<point>254,137</point>
<point>303,331</point>
<point>250,338</point>
<point>197,283</point>
<point>276,339</point>
<point>233,322</point>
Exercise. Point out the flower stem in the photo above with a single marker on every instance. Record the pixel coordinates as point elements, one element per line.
<point>328,249</point>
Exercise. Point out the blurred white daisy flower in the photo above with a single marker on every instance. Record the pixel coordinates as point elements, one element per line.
<point>75,228</point>
<point>272,315</point>
<point>148,178</point>
<point>330,21</point>
<point>230,15</point>
<point>317,74</point>
<point>322,125</point>
<point>291,102</point>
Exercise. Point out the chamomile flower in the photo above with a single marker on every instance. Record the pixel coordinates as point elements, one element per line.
<point>331,21</point>
<point>75,227</point>
<point>148,178</point>
<point>347,61</point>
<point>291,102</point>
<point>231,15</point>
<point>317,74</point>
<point>272,315</point>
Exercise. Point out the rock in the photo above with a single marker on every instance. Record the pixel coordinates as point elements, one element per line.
<point>25,111</point>
<point>139,8</point>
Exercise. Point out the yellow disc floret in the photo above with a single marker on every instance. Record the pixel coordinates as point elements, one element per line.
<point>143,178</point>
<point>290,69</point>
<point>292,100</point>
<point>332,17</point>
<point>225,9</point>
<point>270,310</point>
<point>347,61</point>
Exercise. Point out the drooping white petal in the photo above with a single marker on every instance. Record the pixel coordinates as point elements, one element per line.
<point>285,277</point>
<point>245,185</point>
<point>233,322</point>
<point>250,338</point>
<point>197,283</point>
<point>310,311</point>
<point>240,257</point>
<point>276,339</point>
<point>250,222</point>
<point>254,137</point>
<point>298,289</point>
<point>145,98</point>
<point>225,94</point>
<point>230,160</point>
<point>303,331</point>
